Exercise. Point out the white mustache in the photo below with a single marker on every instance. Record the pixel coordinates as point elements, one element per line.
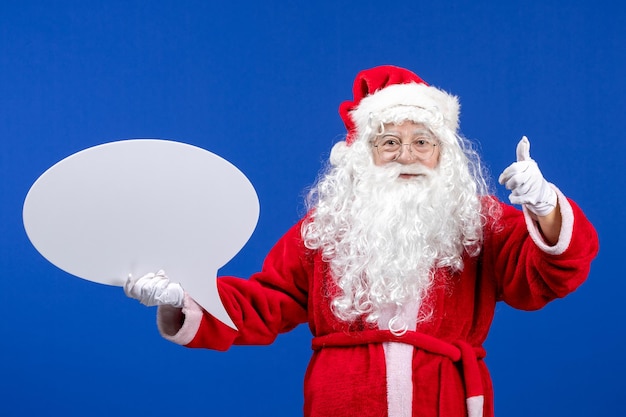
<point>396,170</point>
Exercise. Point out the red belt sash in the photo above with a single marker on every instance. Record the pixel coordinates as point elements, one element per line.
<point>456,351</point>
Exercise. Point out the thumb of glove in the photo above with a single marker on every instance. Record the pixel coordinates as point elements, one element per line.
<point>523,150</point>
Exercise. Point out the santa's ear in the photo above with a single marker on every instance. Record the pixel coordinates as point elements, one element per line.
<point>338,153</point>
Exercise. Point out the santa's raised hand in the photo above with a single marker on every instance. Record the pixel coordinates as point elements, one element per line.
<point>526,183</point>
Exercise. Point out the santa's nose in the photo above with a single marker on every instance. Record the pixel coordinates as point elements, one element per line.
<point>405,156</point>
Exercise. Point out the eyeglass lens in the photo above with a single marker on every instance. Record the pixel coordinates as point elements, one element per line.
<point>390,148</point>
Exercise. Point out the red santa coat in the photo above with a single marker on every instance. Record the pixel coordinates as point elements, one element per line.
<point>348,372</point>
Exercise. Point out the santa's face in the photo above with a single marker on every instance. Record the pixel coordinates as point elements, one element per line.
<point>389,212</point>
<point>407,144</point>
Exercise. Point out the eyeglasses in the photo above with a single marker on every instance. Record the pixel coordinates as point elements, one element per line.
<point>389,147</point>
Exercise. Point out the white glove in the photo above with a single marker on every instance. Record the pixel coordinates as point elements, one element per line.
<point>527,185</point>
<point>155,290</point>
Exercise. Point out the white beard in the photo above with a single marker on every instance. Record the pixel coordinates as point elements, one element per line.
<point>383,235</point>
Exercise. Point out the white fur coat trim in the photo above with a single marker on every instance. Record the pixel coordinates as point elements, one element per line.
<point>168,319</point>
<point>567,227</point>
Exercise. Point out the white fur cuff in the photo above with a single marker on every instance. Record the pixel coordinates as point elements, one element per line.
<point>180,325</point>
<point>567,226</point>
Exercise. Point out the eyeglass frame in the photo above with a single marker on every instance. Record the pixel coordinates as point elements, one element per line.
<point>431,140</point>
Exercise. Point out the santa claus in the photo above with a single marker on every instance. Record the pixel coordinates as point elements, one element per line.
<point>399,263</point>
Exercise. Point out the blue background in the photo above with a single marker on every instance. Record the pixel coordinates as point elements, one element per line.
<point>259,83</point>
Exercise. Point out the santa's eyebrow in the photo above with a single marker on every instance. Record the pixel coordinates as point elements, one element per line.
<point>416,132</point>
<point>422,132</point>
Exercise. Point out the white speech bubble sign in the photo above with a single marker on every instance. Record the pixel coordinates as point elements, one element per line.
<point>139,205</point>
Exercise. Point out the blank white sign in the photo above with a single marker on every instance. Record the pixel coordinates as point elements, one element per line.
<point>137,206</point>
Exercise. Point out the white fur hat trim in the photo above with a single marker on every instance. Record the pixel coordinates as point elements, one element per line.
<point>381,104</point>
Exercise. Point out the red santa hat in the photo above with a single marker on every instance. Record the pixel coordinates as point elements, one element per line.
<point>388,93</point>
